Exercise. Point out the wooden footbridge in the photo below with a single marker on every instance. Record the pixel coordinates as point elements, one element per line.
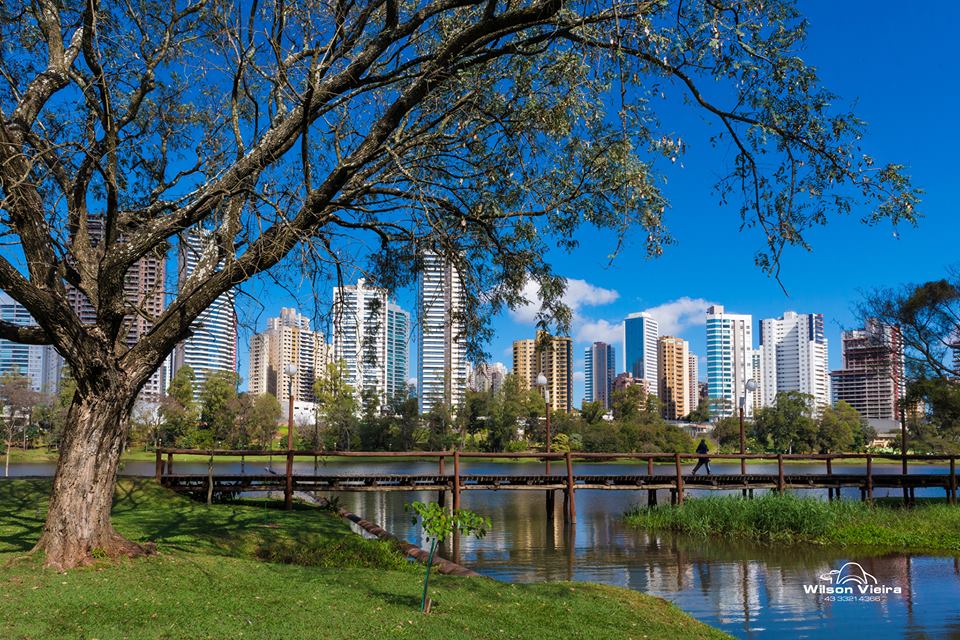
<point>649,477</point>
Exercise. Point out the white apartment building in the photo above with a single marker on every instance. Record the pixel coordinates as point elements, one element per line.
<point>442,343</point>
<point>794,353</point>
<point>371,341</point>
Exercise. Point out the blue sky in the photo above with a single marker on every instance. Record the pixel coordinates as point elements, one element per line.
<point>895,66</point>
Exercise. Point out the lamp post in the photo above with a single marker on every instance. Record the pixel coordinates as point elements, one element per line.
<point>750,387</point>
<point>291,371</point>
<point>542,383</point>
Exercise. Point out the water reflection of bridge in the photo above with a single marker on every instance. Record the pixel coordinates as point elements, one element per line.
<point>651,479</point>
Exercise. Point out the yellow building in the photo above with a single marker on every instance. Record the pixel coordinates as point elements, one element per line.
<point>552,356</point>
<point>525,363</point>
<point>674,365</point>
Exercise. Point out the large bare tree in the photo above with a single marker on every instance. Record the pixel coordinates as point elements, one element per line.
<point>362,133</point>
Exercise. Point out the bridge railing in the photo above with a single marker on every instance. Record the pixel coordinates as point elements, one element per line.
<point>651,458</point>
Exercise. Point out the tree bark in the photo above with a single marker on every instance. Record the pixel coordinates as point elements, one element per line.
<point>78,524</point>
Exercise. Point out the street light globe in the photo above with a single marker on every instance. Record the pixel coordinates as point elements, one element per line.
<point>751,385</point>
<point>291,370</point>
<point>541,380</point>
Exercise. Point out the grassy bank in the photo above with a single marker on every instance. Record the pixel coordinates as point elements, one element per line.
<point>930,526</point>
<point>243,570</point>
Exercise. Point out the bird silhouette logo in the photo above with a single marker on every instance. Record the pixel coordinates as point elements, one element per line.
<point>849,572</point>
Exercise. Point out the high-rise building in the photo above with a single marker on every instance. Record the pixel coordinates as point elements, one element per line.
<point>371,341</point>
<point>640,335</point>
<point>553,357</point>
<point>794,353</point>
<point>143,288</point>
<point>693,393</point>
<point>731,361</point>
<point>212,345</point>
<point>599,371</point>
<point>872,377</point>
<point>486,377</point>
<point>674,366</point>
<point>442,342</point>
<point>288,340</point>
<point>525,366</point>
<point>555,361</point>
<point>41,364</point>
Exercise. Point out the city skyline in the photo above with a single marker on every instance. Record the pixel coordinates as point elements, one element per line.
<point>847,257</point>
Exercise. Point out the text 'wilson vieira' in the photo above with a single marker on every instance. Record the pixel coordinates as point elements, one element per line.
<point>860,589</point>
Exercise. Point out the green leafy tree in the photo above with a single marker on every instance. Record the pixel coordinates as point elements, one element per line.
<point>337,408</point>
<point>507,410</point>
<point>839,428</point>
<point>937,428</point>
<point>788,426</point>
<point>438,524</point>
<point>218,410</point>
<point>264,415</point>
<point>701,414</point>
<point>592,412</point>
<point>727,433</point>
<point>403,424</point>
<point>179,412</point>
<point>627,403</point>
<point>478,410</point>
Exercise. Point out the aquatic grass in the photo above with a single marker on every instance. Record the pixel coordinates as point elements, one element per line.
<point>773,518</point>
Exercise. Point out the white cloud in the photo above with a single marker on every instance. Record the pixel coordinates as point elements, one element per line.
<point>578,294</point>
<point>587,330</point>
<point>578,376</point>
<point>678,315</point>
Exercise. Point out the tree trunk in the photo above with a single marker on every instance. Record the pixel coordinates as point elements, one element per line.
<point>78,520</point>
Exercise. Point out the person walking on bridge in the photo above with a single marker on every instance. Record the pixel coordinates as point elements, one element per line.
<point>702,449</point>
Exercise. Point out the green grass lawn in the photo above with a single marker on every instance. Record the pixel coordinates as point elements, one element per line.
<point>245,570</point>
<point>932,525</point>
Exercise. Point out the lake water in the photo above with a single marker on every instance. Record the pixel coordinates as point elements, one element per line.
<point>749,591</point>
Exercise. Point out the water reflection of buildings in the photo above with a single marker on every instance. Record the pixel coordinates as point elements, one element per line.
<point>751,592</point>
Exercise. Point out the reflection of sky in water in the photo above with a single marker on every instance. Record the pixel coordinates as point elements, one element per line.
<point>750,592</point>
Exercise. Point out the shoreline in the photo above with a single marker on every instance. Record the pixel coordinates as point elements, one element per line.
<point>232,568</point>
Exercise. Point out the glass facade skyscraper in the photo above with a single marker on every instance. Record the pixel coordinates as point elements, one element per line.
<point>41,364</point>
<point>641,332</point>
<point>731,361</point>
<point>212,345</point>
<point>599,372</point>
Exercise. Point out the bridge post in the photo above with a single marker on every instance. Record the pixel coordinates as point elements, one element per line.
<point>169,464</point>
<point>159,468</point>
<point>571,491</point>
<point>830,473</point>
<point>679,479</point>
<point>441,498</point>
<point>456,479</point>
<point>651,493</point>
<point>870,477</point>
<point>780,473</point>
<point>953,480</point>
